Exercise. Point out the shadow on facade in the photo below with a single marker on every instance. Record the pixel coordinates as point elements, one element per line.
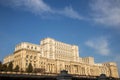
<point>62,76</point>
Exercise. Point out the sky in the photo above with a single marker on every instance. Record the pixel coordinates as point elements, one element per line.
<point>93,25</point>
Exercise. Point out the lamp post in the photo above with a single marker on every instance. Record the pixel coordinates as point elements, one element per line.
<point>64,75</point>
<point>102,77</point>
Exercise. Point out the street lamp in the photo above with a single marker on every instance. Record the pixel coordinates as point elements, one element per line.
<point>64,75</point>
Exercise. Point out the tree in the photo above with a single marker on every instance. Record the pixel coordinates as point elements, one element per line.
<point>4,67</point>
<point>0,65</point>
<point>39,70</point>
<point>16,69</point>
<point>21,70</point>
<point>30,68</point>
<point>10,67</point>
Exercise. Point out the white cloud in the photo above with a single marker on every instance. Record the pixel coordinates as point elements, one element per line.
<point>36,6</point>
<point>39,7</point>
<point>70,12</point>
<point>100,45</point>
<point>106,12</point>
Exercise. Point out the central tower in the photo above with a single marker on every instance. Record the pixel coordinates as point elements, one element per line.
<point>54,49</point>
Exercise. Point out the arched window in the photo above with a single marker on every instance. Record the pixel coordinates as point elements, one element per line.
<point>27,56</point>
<point>27,46</point>
<point>34,57</point>
<point>32,47</point>
<point>30,57</point>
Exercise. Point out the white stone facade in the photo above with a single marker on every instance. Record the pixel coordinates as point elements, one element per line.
<point>54,56</point>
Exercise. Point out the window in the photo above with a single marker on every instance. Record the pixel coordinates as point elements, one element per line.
<point>26,64</point>
<point>27,46</point>
<point>26,56</point>
<point>32,47</point>
<point>34,57</point>
<point>34,65</point>
<point>26,60</point>
<point>30,57</point>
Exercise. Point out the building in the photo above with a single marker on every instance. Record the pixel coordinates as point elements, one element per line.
<point>54,56</point>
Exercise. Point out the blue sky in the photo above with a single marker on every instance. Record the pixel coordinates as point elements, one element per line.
<point>93,25</point>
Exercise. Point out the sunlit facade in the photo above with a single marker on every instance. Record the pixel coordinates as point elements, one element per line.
<point>53,56</point>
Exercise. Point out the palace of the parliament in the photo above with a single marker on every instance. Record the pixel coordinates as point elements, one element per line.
<point>54,56</point>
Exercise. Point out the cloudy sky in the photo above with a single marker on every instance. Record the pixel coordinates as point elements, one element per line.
<point>93,25</point>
